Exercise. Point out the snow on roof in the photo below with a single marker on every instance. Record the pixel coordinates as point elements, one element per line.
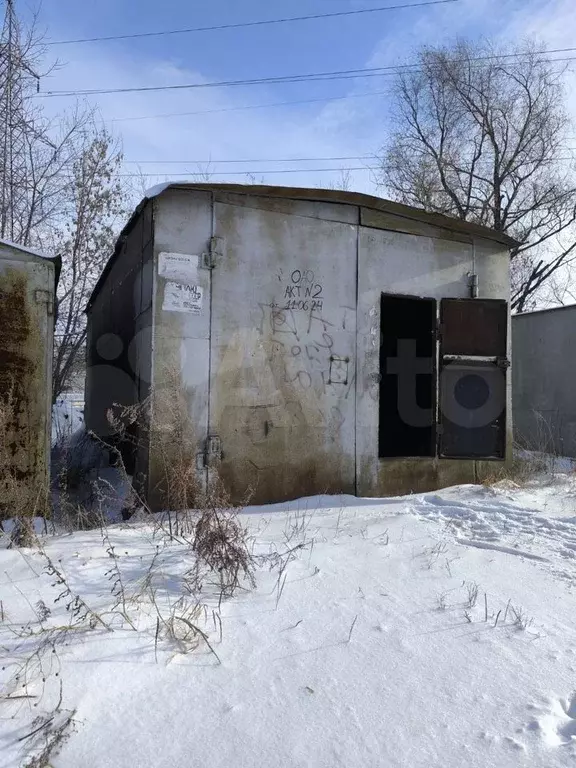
<point>24,249</point>
<point>157,189</point>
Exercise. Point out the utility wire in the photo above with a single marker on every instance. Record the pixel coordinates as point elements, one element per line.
<point>346,74</point>
<point>255,172</point>
<point>257,23</point>
<point>258,172</point>
<point>255,160</point>
<point>209,161</point>
<point>267,172</point>
<point>241,161</point>
<point>248,106</point>
<point>337,75</point>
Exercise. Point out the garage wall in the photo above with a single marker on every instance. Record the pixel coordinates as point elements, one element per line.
<point>183,225</point>
<point>119,353</point>
<point>27,301</point>
<point>276,360</point>
<point>437,267</point>
<point>543,380</point>
<point>283,347</point>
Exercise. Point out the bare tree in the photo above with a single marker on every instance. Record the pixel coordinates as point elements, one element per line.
<point>59,185</point>
<point>35,151</point>
<point>343,182</point>
<point>97,202</point>
<point>480,134</point>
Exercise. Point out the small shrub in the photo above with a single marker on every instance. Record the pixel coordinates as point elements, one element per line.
<point>221,545</point>
<point>178,483</point>
<point>472,594</point>
<point>520,618</point>
<point>49,736</point>
<point>442,601</point>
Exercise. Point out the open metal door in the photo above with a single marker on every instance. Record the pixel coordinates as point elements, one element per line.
<point>473,365</point>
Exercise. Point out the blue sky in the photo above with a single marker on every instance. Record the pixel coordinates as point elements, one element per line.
<point>351,127</point>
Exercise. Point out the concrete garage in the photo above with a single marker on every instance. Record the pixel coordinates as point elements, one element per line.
<point>321,340</point>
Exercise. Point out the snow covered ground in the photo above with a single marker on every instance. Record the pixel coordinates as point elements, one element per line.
<point>67,416</point>
<point>430,630</point>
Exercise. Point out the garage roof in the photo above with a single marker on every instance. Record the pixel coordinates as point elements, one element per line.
<point>318,195</point>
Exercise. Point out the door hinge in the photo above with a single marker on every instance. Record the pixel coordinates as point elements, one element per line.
<point>214,253</point>
<point>212,453</point>
<point>45,297</point>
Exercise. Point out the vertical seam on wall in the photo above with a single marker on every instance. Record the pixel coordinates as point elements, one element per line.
<point>474,277</point>
<point>48,366</point>
<point>357,377</point>
<point>152,338</point>
<point>211,279</point>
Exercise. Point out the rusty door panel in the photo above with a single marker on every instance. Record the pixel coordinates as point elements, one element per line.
<point>474,327</point>
<point>473,367</point>
<point>26,295</point>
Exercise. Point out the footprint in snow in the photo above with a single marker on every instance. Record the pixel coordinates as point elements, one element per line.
<point>557,727</point>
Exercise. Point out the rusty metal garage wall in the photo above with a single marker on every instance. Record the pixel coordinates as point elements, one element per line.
<point>119,333</point>
<point>27,286</point>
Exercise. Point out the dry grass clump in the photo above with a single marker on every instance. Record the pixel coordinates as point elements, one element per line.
<point>221,544</point>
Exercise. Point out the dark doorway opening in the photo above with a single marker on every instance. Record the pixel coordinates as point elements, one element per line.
<point>407,420</point>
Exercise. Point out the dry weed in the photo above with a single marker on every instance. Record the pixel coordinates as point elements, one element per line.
<point>221,544</point>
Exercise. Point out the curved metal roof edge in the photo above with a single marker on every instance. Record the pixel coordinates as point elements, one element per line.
<point>347,198</point>
<point>56,260</point>
<point>313,195</point>
<point>24,249</point>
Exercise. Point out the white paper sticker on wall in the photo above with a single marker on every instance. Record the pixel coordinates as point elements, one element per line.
<point>179,297</point>
<point>178,266</point>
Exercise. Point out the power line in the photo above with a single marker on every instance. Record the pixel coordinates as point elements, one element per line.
<point>270,171</point>
<point>249,106</point>
<point>258,172</point>
<point>241,161</point>
<point>211,161</point>
<point>347,74</point>
<point>292,102</point>
<point>257,23</point>
<point>319,76</point>
<point>253,160</point>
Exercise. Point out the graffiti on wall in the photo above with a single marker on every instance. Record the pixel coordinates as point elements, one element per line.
<point>303,292</point>
<point>303,338</point>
